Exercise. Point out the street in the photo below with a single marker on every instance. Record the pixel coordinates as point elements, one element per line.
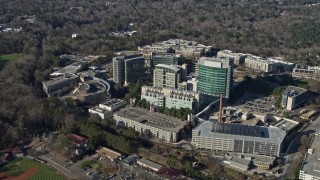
<point>293,149</point>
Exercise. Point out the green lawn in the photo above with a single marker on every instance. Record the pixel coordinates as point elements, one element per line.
<point>8,57</point>
<point>21,165</point>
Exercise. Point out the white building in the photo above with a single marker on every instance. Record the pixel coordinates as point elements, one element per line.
<point>185,48</point>
<point>154,125</point>
<point>149,164</point>
<point>237,58</point>
<point>306,72</point>
<point>74,35</point>
<point>192,85</point>
<point>102,113</point>
<point>171,98</point>
<point>310,169</point>
<point>267,65</point>
<point>238,138</point>
<point>112,104</point>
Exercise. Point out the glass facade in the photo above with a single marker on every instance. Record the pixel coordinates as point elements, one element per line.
<point>128,69</point>
<point>164,59</point>
<point>215,81</point>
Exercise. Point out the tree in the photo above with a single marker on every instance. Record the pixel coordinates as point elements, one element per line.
<point>131,133</point>
<point>305,141</point>
<point>172,161</point>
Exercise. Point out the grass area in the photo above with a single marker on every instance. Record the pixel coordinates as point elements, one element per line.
<point>21,165</point>
<point>8,57</point>
<point>297,170</point>
<point>93,164</point>
<point>87,164</point>
<point>304,82</point>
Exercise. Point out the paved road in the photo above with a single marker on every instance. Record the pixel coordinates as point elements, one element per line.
<point>293,149</point>
<point>65,171</point>
<point>76,170</point>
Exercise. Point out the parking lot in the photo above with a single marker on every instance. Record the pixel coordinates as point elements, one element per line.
<point>258,104</point>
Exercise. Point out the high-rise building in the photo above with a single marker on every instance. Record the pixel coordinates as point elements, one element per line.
<point>215,76</point>
<point>168,75</point>
<point>128,68</point>
<point>165,58</point>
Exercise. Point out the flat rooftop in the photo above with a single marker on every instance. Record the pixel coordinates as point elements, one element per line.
<point>241,132</point>
<point>286,125</point>
<point>173,68</point>
<point>93,86</point>
<point>108,152</point>
<point>294,91</point>
<point>98,109</point>
<point>166,55</point>
<point>250,122</point>
<point>152,119</point>
<point>149,163</point>
<point>311,165</point>
<point>112,102</point>
<point>59,79</point>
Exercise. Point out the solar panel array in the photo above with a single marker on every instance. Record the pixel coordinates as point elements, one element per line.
<point>243,130</point>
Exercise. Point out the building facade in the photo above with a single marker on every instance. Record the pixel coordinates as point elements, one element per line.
<point>129,68</point>
<point>171,98</point>
<point>310,169</point>
<point>112,104</point>
<point>102,113</point>
<point>238,138</point>
<point>187,49</point>
<point>306,72</point>
<point>215,76</point>
<point>166,76</point>
<point>237,58</point>
<point>165,58</point>
<point>293,97</point>
<point>66,82</point>
<point>154,125</point>
<point>268,65</point>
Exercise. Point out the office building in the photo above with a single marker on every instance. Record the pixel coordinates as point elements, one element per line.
<point>168,75</point>
<point>237,58</point>
<point>112,104</point>
<point>171,98</point>
<point>292,97</point>
<point>310,169</point>
<point>306,72</point>
<point>90,91</point>
<point>154,125</point>
<point>187,49</point>
<point>268,65</point>
<point>238,138</point>
<point>102,113</point>
<point>129,68</point>
<point>106,108</point>
<point>215,76</point>
<point>60,84</point>
<point>155,96</point>
<point>165,58</point>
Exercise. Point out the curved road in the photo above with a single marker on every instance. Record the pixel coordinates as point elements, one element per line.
<point>293,149</point>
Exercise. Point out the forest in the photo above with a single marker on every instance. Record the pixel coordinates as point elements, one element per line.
<point>287,28</point>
